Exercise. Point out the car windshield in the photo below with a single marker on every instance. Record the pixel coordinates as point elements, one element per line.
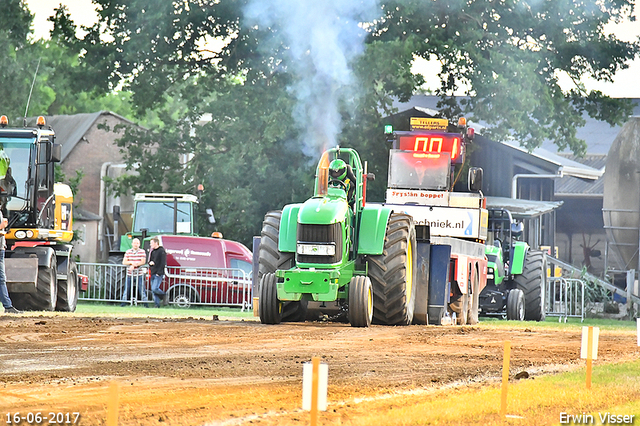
<point>157,217</point>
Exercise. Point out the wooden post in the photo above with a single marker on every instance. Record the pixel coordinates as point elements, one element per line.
<point>112,405</point>
<point>589,355</point>
<point>314,390</point>
<point>505,378</point>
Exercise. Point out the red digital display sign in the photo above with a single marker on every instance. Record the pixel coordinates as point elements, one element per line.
<point>432,143</point>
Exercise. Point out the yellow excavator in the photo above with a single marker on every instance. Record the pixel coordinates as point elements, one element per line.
<point>41,272</point>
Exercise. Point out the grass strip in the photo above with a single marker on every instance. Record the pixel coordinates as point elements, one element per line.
<point>546,400</point>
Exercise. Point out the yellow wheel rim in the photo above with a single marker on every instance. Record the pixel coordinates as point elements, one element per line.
<point>370,302</point>
<point>409,268</point>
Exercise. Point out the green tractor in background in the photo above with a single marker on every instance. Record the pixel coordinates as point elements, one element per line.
<point>336,254</point>
<point>516,274</point>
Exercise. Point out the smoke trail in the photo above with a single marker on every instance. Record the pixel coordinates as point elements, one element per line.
<point>323,39</point>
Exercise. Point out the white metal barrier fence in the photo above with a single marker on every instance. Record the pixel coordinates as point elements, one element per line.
<point>565,298</point>
<point>184,286</point>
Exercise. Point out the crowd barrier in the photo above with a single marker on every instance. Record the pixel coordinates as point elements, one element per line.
<point>185,287</point>
<point>565,298</point>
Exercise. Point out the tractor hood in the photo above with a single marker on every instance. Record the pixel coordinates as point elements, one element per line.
<point>323,210</point>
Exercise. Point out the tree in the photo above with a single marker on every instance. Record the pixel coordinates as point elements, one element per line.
<point>507,52</point>
<point>45,74</point>
<point>510,53</point>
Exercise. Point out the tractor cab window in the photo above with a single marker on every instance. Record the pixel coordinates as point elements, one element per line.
<point>157,217</point>
<point>419,170</point>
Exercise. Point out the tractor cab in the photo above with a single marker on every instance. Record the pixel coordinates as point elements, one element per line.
<point>503,233</point>
<point>29,197</point>
<point>339,186</point>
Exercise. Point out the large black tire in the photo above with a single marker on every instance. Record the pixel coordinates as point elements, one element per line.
<point>68,290</point>
<point>114,278</point>
<point>360,301</point>
<point>533,282</point>
<point>270,307</point>
<point>393,275</point>
<point>270,260</point>
<point>515,305</point>
<point>46,295</point>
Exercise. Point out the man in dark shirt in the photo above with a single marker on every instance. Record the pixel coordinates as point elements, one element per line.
<point>157,263</point>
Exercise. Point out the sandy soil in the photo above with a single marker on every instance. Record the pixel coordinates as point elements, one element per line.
<point>197,372</point>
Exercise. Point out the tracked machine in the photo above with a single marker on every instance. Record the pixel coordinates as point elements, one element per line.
<point>41,272</point>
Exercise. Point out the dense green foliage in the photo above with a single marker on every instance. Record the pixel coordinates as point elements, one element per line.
<point>60,87</point>
<point>273,93</point>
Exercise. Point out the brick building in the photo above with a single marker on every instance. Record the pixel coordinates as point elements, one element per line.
<point>89,145</point>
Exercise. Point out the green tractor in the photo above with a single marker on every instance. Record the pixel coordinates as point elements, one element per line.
<point>334,253</point>
<point>516,274</point>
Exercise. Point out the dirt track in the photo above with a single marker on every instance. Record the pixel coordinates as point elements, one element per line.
<point>195,372</point>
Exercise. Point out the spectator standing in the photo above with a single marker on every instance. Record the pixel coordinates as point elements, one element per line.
<point>157,263</point>
<point>4,293</point>
<point>135,257</point>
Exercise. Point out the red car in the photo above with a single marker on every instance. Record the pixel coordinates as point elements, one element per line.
<point>202,270</point>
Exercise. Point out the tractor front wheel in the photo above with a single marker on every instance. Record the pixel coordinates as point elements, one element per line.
<point>270,260</point>
<point>360,302</point>
<point>270,307</point>
<point>68,290</point>
<point>515,305</point>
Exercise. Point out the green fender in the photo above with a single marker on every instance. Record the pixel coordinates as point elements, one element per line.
<point>494,260</point>
<point>288,228</point>
<point>373,228</point>
<point>519,252</point>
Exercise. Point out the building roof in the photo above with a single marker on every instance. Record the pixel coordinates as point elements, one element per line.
<point>71,129</point>
<point>572,187</point>
<point>566,165</point>
<point>523,209</point>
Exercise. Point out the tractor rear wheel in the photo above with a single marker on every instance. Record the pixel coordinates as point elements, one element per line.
<point>270,260</point>
<point>533,283</point>
<point>393,276</point>
<point>68,290</point>
<point>115,276</point>
<point>515,305</point>
<point>360,301</point>
<point>270,306</point>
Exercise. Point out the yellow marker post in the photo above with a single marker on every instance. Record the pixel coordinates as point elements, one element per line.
<point>314,390</point>
<point>112,405</point>
<point>505,378</point>
<point>589,355</point>
<point>589,348</point>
